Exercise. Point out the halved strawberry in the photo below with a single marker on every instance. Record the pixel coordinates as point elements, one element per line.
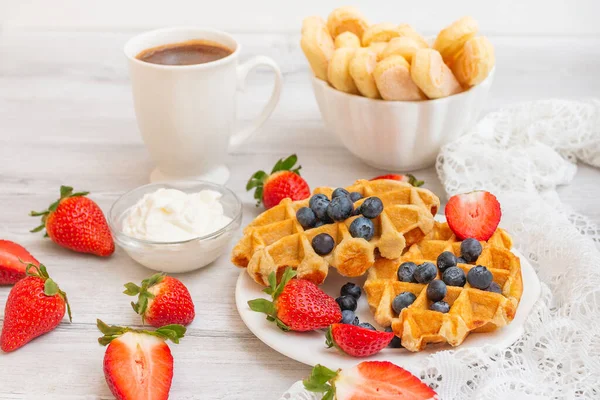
<point>403,178</point>
<point>369,380</point>
<point>357,341</point>
<point>473,215</point>
<point>284,181</point>
<point>13,262</point>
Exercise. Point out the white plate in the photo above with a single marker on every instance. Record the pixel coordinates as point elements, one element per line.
<point>309,347</point>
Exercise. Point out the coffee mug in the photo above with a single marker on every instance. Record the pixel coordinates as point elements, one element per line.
<point>186,113</point>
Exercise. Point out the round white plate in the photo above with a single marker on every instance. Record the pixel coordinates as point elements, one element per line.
<point>309,347</point>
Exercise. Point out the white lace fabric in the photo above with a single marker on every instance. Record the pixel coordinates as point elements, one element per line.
<point>521,154</point>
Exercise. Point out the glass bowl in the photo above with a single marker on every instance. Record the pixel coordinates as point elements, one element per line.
<point>182,256</point>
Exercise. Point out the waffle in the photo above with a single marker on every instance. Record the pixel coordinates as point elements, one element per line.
<point>275,239</point>
<point>471,310</point>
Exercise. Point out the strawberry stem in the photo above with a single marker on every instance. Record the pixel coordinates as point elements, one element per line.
<point>131,289</point>
<point>65,192</point>
<point>274,289</point>
<point>258,179</point>
<point>414,181</point>
<point>172,332</point>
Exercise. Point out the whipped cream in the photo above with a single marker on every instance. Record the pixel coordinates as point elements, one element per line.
<point>170,215</point>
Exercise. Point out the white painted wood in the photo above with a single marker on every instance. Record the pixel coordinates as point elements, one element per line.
<point>66,117</point>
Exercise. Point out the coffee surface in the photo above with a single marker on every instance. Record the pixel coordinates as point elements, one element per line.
<point>185,53</point>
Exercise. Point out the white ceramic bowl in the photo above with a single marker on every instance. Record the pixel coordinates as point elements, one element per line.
<point>175,257</point>
<point>398,135</point>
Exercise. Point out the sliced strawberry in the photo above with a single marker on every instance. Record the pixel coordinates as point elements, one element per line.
<point>403,178</point>
<point>473,215</point>
<point>13,261</point>
<point>357,341</point>
<point>369,380</point>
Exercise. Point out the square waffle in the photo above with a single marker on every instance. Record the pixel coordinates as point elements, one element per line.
<point>275,239</point>
<point>471,309</point>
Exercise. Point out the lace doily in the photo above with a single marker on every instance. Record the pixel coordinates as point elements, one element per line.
<point>521,154</point>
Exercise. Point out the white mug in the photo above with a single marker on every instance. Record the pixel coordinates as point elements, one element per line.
<point>186,113</point>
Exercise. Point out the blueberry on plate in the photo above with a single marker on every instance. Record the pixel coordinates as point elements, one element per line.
<point>402,301</point>
<point>351,289</point>
<point>347,303</point>
<point>440,306</point>
<point>339,192</point>
<point>349,318</point>
<point>396,342</point>
<point>446,260</point>
<point>406,272</point>
<point>340,208</point>
<point>367,325</point>
<point>323,244</point>
<point>479,277</point>
<point>306,217</point>
<point>425,272</point>
<point>319,203</point>
<point>454,276</point>
<point>494,287</point>
<point>355,196</point>
<point>371,207</point>
<point>362,228</point>
<point>470,249</point>
<point>436,290</point>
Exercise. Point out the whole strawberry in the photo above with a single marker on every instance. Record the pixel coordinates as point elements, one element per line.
<point>298,305</point>
<point>35,306</point>
<point>13,262</point>
<point>76,223</point>
<point>162,300</point>
<point>284,181</point>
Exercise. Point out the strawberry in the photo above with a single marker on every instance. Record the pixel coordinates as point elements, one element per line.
<point>13,261</point>
<point>369,380</point>
<point>298,305</point>
<point>138,364</point>
<point>357,341</point>
<point>35,306</point>
<point>403,178</point>
<point>473,215</point>
<point>284,181</point>
<point>162,300</point>
<point>76,223</point>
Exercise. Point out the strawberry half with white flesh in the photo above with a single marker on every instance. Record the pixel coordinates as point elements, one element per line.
<point>473,215</point>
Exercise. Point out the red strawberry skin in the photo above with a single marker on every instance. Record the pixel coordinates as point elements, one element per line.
<point>302,306</point>
<point>283,184</point>
<point>357,341</point>
<point>172,304</point>
<point>78,224</point>
<point>11,268</point>
<point>393,177</point>
<point>473,215</point>
<point>29,313</point>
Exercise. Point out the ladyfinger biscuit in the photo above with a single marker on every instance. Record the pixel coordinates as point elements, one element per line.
<point>408,31</point>
<point>475,61</point>
<point>378,48</point>
<point>346,19</point>
<point>450,40</point>
<point>402,46</point>
<point>361,69</point>
<point>432,76</point>
<point>347,39</point>
<point>317,45</point>
<point>338,72</point>
<point>383,32</point>
<point>392,76</point>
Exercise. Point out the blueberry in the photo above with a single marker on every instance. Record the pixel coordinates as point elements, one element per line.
<point>319,223</point>
<point>454,276</point>
<point>494,287</point>
<point>339,192</point>
<point>367,326</point>
<point>402,301</point>
<point>406,272</point>
<point>306,217</point>
<point>363,228</point>
<point>479,277</point>
<point>323,244</point>
<point>470,249</point>
<point>351,289</point>
<point>461,260</point>
<point>340,208</point>
<point>425,272</point>
<point>446,260</point>
<point>319,203</point>
<point>371,207</point>
<point>436,290</point>
<point>355,196</point>
<point>347,303</point>
<point>349,318</point>
<point>396,342</point>
<point>440,306</point>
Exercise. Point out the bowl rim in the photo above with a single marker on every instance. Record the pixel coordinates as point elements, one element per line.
<point>357,97</point>
<point>222,188</point>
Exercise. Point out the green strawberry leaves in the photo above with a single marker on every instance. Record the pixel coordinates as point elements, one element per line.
<point>414,181</point>
<point>65,192</point>
<point>172,332</point>
<point>131,289</point>
<point>287,165</point>
<point>50,287</point>
<point>319,381</point>
<point>269,307</point>
<point>258,179</point>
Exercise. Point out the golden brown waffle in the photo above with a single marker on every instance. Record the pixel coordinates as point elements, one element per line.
<point>471,310</point>
<point>275,239</point>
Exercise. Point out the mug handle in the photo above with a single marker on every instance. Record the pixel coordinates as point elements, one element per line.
<point>242,72</point>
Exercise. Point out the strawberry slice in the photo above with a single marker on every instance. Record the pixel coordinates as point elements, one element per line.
<point>369,380</point>
<point>357,341</point>
<point>403,178</point>
<point>13,262</point>
<point>473,215</point>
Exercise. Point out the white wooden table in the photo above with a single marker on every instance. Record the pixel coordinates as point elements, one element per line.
<point>66,117</point>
